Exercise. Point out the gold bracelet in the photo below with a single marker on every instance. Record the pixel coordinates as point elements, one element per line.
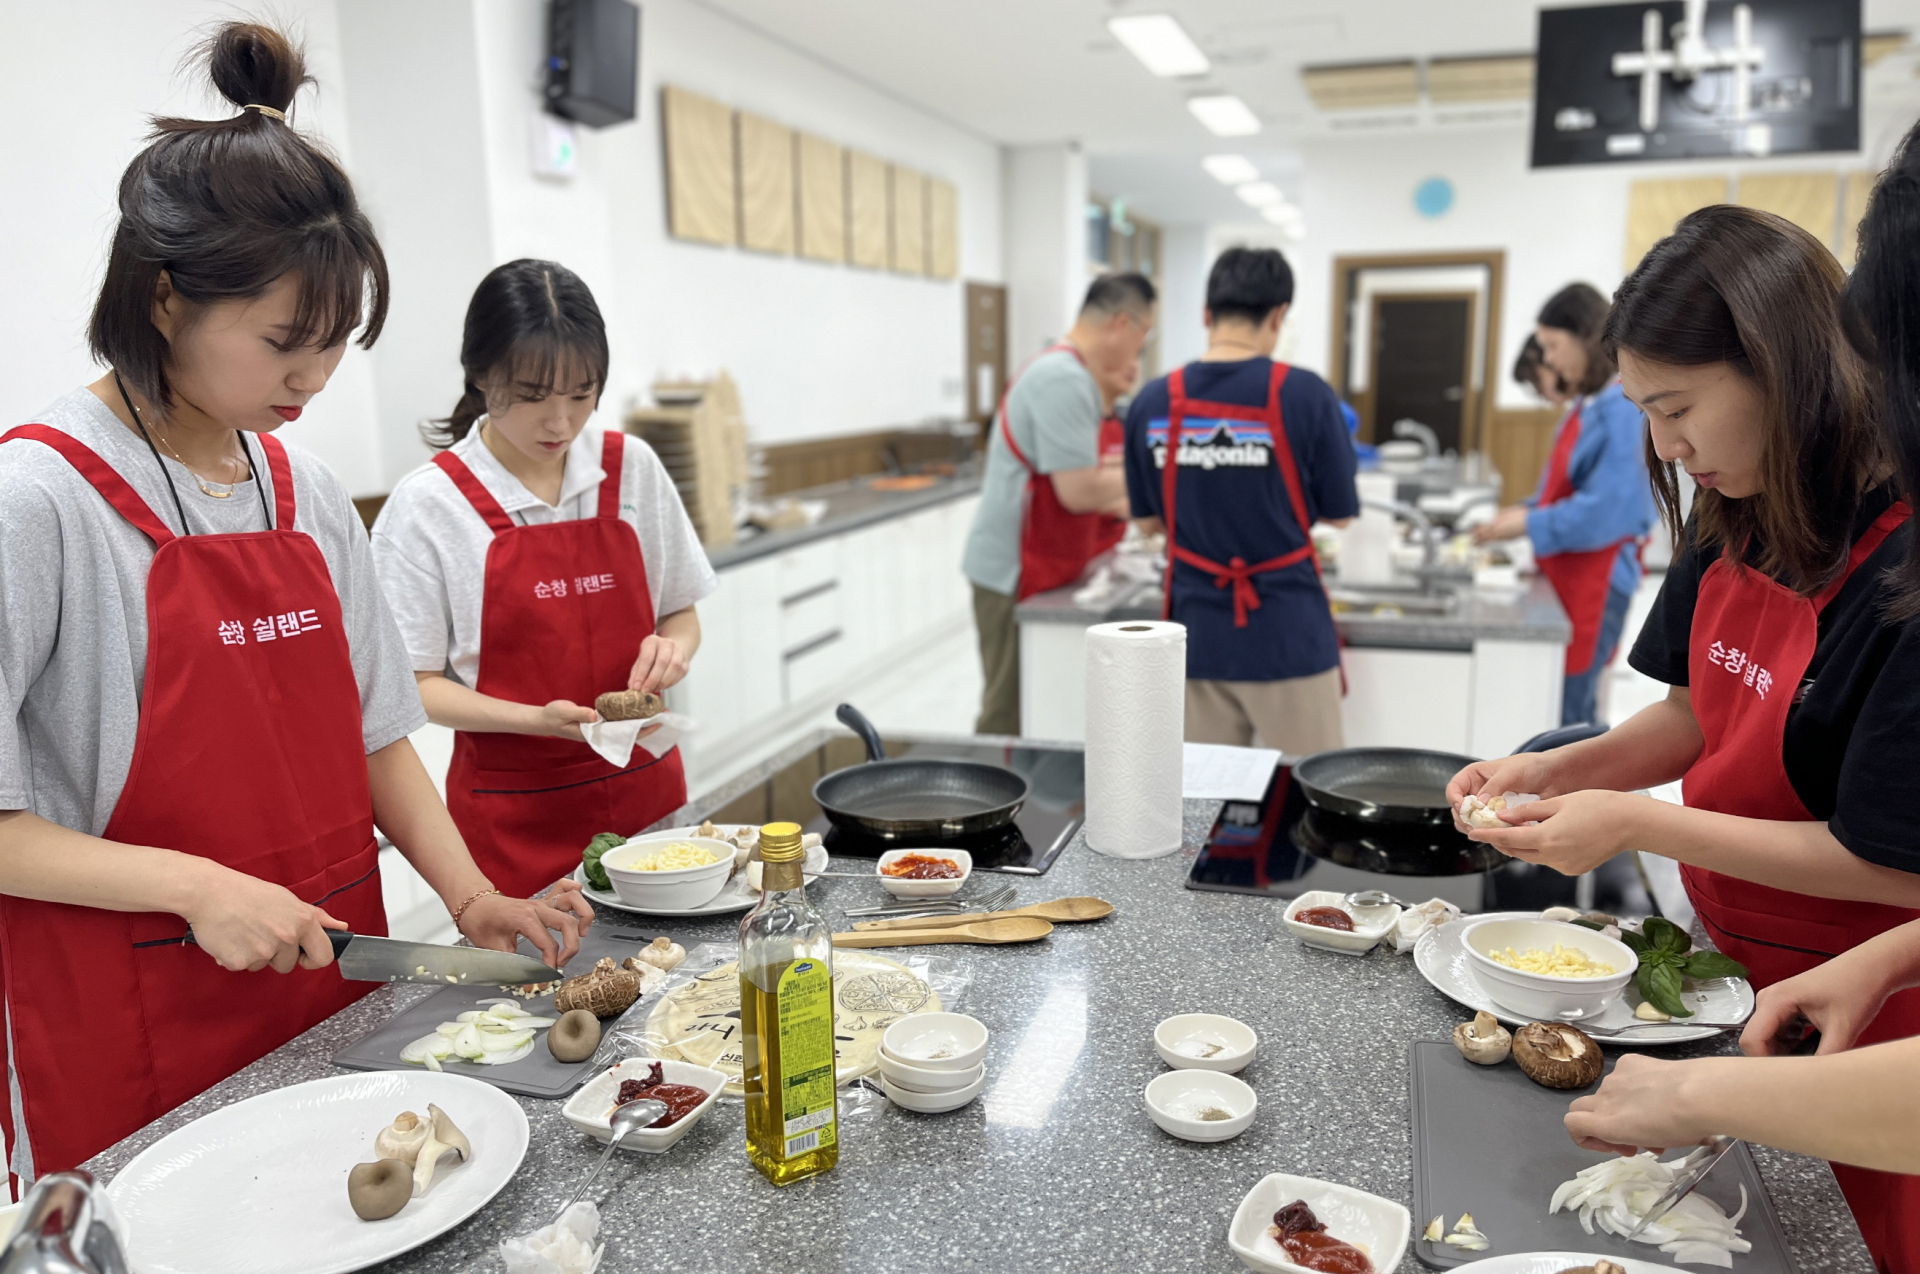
<point>461,910</point>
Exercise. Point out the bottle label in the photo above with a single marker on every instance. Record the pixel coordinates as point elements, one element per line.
<point>807,1107</point>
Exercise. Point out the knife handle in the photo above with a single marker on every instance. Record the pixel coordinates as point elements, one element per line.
<point>338,937</point>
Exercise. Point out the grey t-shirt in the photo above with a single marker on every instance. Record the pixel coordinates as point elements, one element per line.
<point>73,590</point>
<point>1054,413</point>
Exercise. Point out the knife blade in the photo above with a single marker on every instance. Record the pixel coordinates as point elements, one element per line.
<point>364,958</point>
<point>1693,1170</point>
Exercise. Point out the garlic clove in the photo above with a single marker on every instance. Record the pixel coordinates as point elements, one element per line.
<point>1435,1228</point>
<point>663,954</point>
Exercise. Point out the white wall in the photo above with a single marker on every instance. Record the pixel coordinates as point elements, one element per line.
<point>1184,262</point>
<point>1045,221</point>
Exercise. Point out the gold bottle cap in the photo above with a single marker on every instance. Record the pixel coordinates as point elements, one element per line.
<point>780,843</point>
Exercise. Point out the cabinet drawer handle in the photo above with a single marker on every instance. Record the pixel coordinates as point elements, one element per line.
<point>824,639</point>
<point>808,594</point>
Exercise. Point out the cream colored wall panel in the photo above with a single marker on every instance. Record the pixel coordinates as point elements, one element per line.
<point>1859,189</point>
<point>1655,205</point>
<point>1808,200</point>
<point>907,201</point>
<point>821,197</point>
<point>943,229</point>
<point>765,154</point>
<point>867,238</point>
<point>700,181</point>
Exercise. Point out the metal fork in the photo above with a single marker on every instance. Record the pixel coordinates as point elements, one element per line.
<point>995,901</point>
<point>1636,1029</point>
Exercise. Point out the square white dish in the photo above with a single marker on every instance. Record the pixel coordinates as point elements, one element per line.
<point>1379,1227</point>
<point>591,1108</point>
<point>1370,924</point>
<point>900,888</point>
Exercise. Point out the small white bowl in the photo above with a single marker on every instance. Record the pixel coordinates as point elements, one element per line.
<point>1539,995</point>
<point>924,888</point>
<point>932,1103</point>
<point>1180,1041</point>
<point>919,1079</point>
<point>937,1041</point>
<point>1370,924</point>
<point>1176,1099</point>
<point>1377,1226</point>
<point>591,1108</point>
<point>676,890</point>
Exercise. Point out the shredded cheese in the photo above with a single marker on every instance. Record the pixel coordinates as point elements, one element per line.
<point>675,857</point>
<point>1561,962</point>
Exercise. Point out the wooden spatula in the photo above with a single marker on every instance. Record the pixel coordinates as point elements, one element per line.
<point>992,932</point>
<point>1059,911</point>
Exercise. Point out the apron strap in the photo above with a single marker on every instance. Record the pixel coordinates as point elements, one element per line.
<point>1006,430</point>
<point>613,451</point>
<point>1883,526</point>
<point>282,470</point>
<point>105,479</point>
<point>476,492</point>
<point>1170,480</point>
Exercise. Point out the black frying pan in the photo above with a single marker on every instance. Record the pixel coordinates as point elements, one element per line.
<point>916,799</point>
<point>1382,785</point>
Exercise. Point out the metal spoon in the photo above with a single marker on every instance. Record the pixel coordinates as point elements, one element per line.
<point>1375,898</point>
<point>635,1114</point>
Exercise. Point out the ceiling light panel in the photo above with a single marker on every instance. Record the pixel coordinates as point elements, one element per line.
<point>1260,193</point>
<point>1224,115</point>
<point>1482,79</point>
<point>1160,42</point>
<point>1363,87</point>
<point>1230,170</point>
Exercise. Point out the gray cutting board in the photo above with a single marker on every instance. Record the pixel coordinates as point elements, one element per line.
<point>1490,1141</point>
<point>536,1075</point>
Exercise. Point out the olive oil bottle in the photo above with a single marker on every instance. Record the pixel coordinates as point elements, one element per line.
<point>786,1017</point>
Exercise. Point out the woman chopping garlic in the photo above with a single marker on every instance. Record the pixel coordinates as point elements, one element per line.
<point>207,703</point>
<point>534,565</point>
<point>1793,710</point>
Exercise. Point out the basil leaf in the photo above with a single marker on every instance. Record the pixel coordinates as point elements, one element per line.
<point>1660,985</point>
<point>1637,941</point>
<point>1594,925</point>
<point>1714,964</point>
<point>1666,935</point>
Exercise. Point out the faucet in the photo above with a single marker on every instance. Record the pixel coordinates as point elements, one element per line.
<point>65,1227</point>
<point>1422,524</point>
<point>1410,428</point>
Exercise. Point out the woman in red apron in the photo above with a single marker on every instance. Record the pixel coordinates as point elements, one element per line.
<point>214,709</point>
<point>1592,509</point>
<point>1794,722</point>
<point>533,566</point>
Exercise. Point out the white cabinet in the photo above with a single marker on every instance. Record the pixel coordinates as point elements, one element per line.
<point>1407,698</point>
<point>735,679</point>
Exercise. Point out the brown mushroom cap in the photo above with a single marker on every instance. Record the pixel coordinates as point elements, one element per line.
<point>378,1190</point>
<point>629,705</point>
<point>607,991</point>
<point>1483,1041</point>
<point>574,1037</point>
<point>1558,1055</point>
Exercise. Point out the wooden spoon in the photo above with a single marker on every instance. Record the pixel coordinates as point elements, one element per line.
<point>992,932</point>
<point>1059,911</point>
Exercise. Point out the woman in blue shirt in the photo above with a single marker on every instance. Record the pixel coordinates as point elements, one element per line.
<point>1594,506</point>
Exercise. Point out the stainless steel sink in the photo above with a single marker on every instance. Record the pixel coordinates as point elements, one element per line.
<point>1390,602</point>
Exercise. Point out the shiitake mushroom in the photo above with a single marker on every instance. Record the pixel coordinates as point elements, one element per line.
<point>1557,1055</point>
<point>378,1190</point>
<point>574,1037</point>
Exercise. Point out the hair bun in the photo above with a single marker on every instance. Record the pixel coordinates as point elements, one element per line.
<point>255,65</point>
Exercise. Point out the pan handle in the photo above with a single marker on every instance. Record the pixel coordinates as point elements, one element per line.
<point>856,721</point>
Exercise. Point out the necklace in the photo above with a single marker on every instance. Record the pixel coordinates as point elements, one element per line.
<point>204,488</point>
<point>1231,344</point>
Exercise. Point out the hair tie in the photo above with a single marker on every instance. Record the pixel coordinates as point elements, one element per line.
<point>266,110</point>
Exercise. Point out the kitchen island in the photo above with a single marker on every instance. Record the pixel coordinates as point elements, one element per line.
<point>1056,1167</point>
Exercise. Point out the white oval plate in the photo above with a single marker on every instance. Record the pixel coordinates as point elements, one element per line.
<point>260,1187</point>
<point>733,896</point>
<point>1557,1262</point>
<point>1441,957</point>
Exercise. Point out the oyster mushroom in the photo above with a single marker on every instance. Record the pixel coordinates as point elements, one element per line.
<point>376,1191</point>
<point>663,954</point>
<point>1483,1041</point>
<point>1557,1055</point>
<point>443,1139</point>
<point>402,1138</point>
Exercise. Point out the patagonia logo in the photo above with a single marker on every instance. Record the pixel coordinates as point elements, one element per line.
<point>1214,444</point>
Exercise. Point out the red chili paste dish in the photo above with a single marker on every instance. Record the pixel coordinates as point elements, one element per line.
<point>1306,1242</point>
<point>681,1099</point>
<point>922,867</point>
<point>1325,918</point>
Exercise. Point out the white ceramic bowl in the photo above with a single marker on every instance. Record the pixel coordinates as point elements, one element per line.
<point>1176,1099</point>
<point>932,1103</point>
<point>1182,1040</point>
<point>1370,924</point>
<point>921,1079</point>
<point>1542,996</point>
<point>936,1041</point>
<point>674,890</point>
<point>924,888</point>
<point>591,1108</point>
<point>1379,1227</point>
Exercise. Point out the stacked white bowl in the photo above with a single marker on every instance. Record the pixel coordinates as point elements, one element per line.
<point>933,1062</point>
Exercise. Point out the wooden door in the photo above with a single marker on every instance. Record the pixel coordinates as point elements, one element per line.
<point>1421,348</point>
<point>986,349</point>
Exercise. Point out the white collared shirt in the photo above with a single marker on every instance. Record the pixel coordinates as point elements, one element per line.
<point>430,544</point>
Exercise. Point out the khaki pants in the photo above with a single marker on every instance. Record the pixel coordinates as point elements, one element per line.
<point>1299,716</point>
<point>999,660</point>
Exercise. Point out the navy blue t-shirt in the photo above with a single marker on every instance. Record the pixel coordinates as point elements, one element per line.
<point>1233,502</point>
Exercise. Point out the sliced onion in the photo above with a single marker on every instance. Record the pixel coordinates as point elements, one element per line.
<point>1614,1195</point>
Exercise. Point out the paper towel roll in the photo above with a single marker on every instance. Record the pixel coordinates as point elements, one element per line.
<point>1136,719</point>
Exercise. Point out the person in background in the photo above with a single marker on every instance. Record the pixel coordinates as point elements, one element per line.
<point>1858,1107</point>
<point>1530,369</point>
<point>1593,508</point>
<point>535,564</point>
<point>1050,500</point>
<point>206,703</point>
<point>1234,458</point>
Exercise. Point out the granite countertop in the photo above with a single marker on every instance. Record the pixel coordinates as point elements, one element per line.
<point>850,506</point>
<point>1534,614</point>
<point>1056,1167</point>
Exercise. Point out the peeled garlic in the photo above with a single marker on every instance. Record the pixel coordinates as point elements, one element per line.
<point>1435,1228</point>
<point>444,1139</point>
<point>1647,1012</point>
<point>402,1138</point>
<point>663,954</point>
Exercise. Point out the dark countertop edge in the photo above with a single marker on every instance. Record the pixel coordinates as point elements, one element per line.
<point>892,504</point>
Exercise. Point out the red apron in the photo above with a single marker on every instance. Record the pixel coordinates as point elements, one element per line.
<point>1584,578</point>
<point>1752,640</point>
<point>249,752</point>
<point>1056,543</point>
<point>566,608</point>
